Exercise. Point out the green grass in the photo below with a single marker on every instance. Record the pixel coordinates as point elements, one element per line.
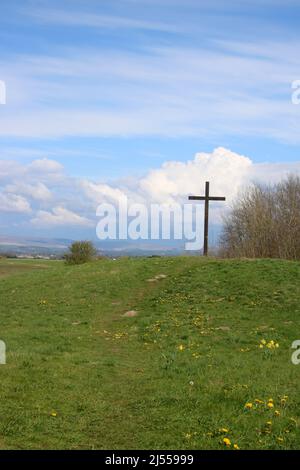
<point>79,375</point>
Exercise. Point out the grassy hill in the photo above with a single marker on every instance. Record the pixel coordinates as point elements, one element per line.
<point>79,374</point>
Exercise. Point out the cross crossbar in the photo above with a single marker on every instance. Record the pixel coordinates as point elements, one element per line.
<point>203,198</point>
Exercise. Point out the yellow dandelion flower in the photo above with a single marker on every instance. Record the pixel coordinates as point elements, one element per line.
<point>248,406</point>
<point>227,442</point>
<point>277,413</point>
<point>279,439</point>
<point>258,401</point>
<point>224,430</point>
<point>54,414</point>
<point>181,347</point>
<point>269,423</point>
<point>261,346</point>
<point>263,341</point>
<point>236,447</point>
<point>270,405</point>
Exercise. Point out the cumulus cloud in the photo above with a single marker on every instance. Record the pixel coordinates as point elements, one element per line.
<point>49,198</point>
<point>225,169</point>
<point>60,216</point>
<point>38,191</point>
<point>14,203</point>
<point>9,168</point>
<point>100,192</point>
<point>174,180</point>
<point>45,165</point>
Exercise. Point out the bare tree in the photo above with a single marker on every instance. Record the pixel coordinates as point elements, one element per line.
<point>264,222</point>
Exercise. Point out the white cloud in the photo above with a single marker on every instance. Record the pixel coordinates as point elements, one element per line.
<point>268,173</point>
<point>63,201</point>
<point>102,192</point>
<point>97,20</point>
<point>225,169</point>
<point>14,203</point>
<point>174,180</point>
<point>37,191</point>
<point>45,165</point>
<point>226,88</point>
<point>60,217</point>
<point>8,168</point>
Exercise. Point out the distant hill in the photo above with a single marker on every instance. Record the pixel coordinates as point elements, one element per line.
<point>33,246</point>
<point>52,247</point>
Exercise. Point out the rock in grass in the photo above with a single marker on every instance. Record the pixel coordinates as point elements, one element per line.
<point>157,278</point>
<point>130,314</point>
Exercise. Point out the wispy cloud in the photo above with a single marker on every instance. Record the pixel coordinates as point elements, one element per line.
<point>235,88</point>
<point>94,20</point>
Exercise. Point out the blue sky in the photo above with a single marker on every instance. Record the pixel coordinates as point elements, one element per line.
<point>108,92</point>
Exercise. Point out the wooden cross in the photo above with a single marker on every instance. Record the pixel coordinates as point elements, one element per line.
<point>206,198</point>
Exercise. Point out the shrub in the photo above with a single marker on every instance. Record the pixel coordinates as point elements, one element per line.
<point>80,252</point>
<point>264,222</point>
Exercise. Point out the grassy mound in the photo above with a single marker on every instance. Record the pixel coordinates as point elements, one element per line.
<point>206,356</point>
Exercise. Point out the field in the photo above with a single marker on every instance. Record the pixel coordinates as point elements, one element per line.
<point>206,358</point>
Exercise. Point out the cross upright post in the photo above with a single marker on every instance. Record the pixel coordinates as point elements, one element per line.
<point>206,198</point>
<point>206,210</point>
